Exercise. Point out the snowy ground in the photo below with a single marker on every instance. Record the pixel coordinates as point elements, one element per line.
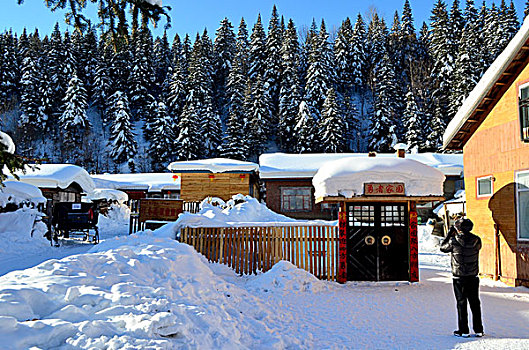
<point>151,292</point>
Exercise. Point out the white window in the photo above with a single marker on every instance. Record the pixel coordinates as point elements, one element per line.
<point>484,186</point>
<point>522,204</point>
<point>296,199</point>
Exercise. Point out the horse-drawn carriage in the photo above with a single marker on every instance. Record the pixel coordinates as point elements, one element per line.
<point>75,220</point>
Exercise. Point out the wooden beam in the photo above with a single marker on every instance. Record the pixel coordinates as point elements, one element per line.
<point>336,199</point>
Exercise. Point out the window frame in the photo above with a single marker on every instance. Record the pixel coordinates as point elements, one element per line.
<point>290,210</point>
<point>516,198</point>
<point>522,104</point>
<point>483,196</point>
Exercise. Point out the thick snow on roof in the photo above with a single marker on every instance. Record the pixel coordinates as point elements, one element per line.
<point>215,165</point>
<point>109,194</point>
<point>58,175</point>
<point>346,177</point>
<point>8,142</point>
<point>486,83</point>
<point>283,165</point>
<point>17,192</point>
<point>152,182</point>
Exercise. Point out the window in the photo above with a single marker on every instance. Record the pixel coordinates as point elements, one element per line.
<point>484,186</point>
<point>523,103</point>
<point>296,199</point>
<point>522,205</point>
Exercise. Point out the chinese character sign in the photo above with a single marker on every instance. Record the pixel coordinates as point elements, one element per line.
<point>414,248</point>
<point>342,247</point>
<point>384,189</point>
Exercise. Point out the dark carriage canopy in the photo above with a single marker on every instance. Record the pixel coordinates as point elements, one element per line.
<point>378,218</point>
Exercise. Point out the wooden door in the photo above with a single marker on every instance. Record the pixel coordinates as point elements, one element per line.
<point>377,242</point>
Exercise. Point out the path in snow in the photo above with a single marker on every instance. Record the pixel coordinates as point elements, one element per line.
<point>14,259</point>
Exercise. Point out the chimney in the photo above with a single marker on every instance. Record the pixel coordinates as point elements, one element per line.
<point>401,149</point>
<point>372,154</point>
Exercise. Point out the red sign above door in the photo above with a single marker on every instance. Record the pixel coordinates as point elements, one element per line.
<point>384,189</point>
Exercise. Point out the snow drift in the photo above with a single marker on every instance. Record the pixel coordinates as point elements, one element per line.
<point>240,211</point>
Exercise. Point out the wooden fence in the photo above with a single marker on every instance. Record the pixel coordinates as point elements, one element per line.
<point>251,249</point>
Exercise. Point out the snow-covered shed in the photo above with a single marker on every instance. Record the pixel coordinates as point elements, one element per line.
<point>492,129</point>
<point>288,179</point>
<point>378,216</point>
<point>59,182</point>
<point>216,177</point>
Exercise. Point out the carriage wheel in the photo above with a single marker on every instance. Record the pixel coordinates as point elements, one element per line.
<point>96,236</point>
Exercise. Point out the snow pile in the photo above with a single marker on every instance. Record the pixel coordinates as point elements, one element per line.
<point>20,233</point>
<point>248,213</point>
<point>429,253</point>
<point>214,165</point>
<point>152,182</point>
<point>133,292</point>
<point>57,176</point>
<point>284,276</point>
<point>116,220</point>
<point>19,192</point>
<point>346,177</point>
<point>7,141</point>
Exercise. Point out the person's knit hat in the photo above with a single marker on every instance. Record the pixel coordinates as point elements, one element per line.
<point>464,225</point>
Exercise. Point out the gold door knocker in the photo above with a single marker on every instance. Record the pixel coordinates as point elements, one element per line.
<point>370,240</point>
<point>386,240</point>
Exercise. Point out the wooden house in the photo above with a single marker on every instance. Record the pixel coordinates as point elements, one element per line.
<point>492,129</point>
<point>288,185</point>
<point>59,182</point>
<point>217,177</point>
<point>378,218</point>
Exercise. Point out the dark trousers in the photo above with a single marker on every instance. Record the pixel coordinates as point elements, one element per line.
<point>466,290</point>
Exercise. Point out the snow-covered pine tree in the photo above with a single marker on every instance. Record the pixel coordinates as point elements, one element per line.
<point>408,43</point>
<point>162,61</point>
<point>304,52</point>
<point>320,74</point>
<point>142,77</point>
<point>289,94</point>
<point>176,50</point>
<point>257,53</point>
<point>457,22</point>
<point>74,121</point>
<point>377,34</point>
<point>189,143</point>
<point>163,138</point>
<point>332,126</point>
<point>358,54</point>
<point>258,109</point>
<point>211,128</point>
<point>235,143</point>
<point>224,51</point>
<point>272,73</point>
<point>343,54</point>
<point>436,128</point>
<point>55,86</point>
<point>441,53</point>
<point>490,34</point>
<point>121,142</point>
<point>384,124</point>
<point>8,70</point>
<point>101,87</point>
<point>466,69</point>
<point>306,129</point>
<point>413,123</point>
<point>32,117</point>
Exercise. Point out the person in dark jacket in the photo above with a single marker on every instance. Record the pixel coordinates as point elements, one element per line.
<point>464,249</point>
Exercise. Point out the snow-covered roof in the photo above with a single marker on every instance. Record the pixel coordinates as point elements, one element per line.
<point>8,142</point>
<point>58,176</point>
<point>283,165</point>
<point>214,165</point>
<point>109,194</point>
<point>346,177</point>
<point>486,83</point>
<point>17,192</point>
<point>151,182</point>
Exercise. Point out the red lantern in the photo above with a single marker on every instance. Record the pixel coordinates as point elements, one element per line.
<point>211,177</point>
<point>175,177</point>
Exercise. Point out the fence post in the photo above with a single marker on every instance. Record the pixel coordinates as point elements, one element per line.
<point>221,251</point>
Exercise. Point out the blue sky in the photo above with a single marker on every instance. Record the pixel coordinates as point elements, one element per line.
<point>192,16</point>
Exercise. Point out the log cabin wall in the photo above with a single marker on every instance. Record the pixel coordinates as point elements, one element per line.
<point>273,199</point>
<point>197,186</point>
<point>496,149</point>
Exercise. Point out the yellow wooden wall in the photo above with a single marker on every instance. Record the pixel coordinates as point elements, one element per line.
<point>197,186</point>
<point>496,149</point>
